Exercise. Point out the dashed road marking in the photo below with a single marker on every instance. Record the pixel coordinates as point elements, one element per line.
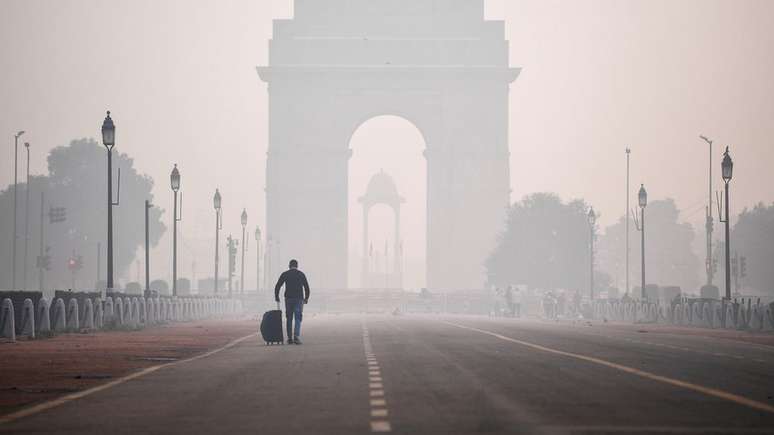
<point>720,394</point>
<point>380,426</point>
<point>379,412</point>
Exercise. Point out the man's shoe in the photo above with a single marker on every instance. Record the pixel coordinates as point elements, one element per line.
<point>290,341</point>
<point>296,340</point>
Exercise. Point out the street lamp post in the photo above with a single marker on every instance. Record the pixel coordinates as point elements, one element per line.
<point>592,227</point>
<point>27,217</point>
<point>174,181</point>
<point>709,224</point>
<point>640,224</point>
<point>216,202</point>
<point>148,206</point>
<point>15,188</point>
<point>242,274</point>
<point>258,259</point>
<point>727,167</point>
<point>109,140</point>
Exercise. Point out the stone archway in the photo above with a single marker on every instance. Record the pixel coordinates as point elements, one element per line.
<point>436,63</point>
<point>381,190</point>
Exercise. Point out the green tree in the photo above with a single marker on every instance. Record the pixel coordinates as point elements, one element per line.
<point>753,237</point>
<point>545,245</point>
<point>77,181</point>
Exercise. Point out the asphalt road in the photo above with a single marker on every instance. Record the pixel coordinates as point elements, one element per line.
<point>441,375</point>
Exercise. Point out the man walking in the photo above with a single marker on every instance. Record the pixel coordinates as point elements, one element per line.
<point>296,295</point>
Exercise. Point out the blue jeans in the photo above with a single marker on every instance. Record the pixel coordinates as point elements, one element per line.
<point>294,309</point>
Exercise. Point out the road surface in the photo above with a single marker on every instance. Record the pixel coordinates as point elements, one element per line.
<point>440,375</point>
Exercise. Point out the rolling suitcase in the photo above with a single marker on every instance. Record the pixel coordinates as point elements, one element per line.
<point>271,326</point>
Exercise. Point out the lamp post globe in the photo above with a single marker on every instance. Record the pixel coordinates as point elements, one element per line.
<point>108,131</point>
<point>174,179</point>
<point>643,196</point>
<point>727,166</point>
<point>216,200</point>
<point>244,217</point>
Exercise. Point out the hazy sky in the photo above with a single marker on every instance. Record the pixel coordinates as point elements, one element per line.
<point>599,75</point>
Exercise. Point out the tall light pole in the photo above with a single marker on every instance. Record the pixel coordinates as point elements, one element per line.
<point>258,259</point>
<point>640,224</point>
<point>709,224</point>
<point>628,217</point>
<point>242,275</point>
<point>592,225</point>
<point>174,181</point>
<point>109,140</point>
<point>148,206</point>
<point>727,167</point>
<point>15,188</point>
<point>27,217</point>
<point>216,202</point>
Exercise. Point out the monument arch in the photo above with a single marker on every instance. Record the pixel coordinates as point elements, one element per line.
<point>436,63</point>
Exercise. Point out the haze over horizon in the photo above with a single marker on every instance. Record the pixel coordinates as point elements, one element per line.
<point>598,76</point>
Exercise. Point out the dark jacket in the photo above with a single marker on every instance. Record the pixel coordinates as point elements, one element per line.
<point>296,285</point>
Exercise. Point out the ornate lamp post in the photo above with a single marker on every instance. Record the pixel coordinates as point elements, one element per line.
<point>727,167</point>
<point>216,202</point>
<point>174,181</point>
<point>592,227</point>
<point>640,224</point>
<point>242,276</point>
<point>109,140</point>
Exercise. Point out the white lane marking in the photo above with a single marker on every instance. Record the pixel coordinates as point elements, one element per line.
<point>81,394</point>
<point>380,426</point>
<point>720,394</point>
<point>379,413</point>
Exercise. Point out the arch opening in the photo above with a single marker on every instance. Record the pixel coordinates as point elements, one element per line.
<point>394,255</point>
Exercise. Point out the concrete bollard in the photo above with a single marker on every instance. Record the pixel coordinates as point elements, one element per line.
<point>99,314</point>
<point>59,316</point>
<point>72,315</point>
<point>730,314</point>
<point>43,316</point>
<point>129,315</point>
<point>119,315</point>
<point>136,311</point>
<point>7,321</point>
<point>143,320</point>
<point>28,319</point>
<point>88,314</point>
<point>109,312</point>
<point>708,317</point>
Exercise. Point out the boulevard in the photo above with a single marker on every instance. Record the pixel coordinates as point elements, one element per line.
<point>442,374</point>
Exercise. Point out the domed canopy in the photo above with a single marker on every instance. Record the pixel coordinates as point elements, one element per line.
<point>382,190</point>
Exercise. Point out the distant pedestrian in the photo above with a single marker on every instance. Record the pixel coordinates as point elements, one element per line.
<point>296,296</point>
